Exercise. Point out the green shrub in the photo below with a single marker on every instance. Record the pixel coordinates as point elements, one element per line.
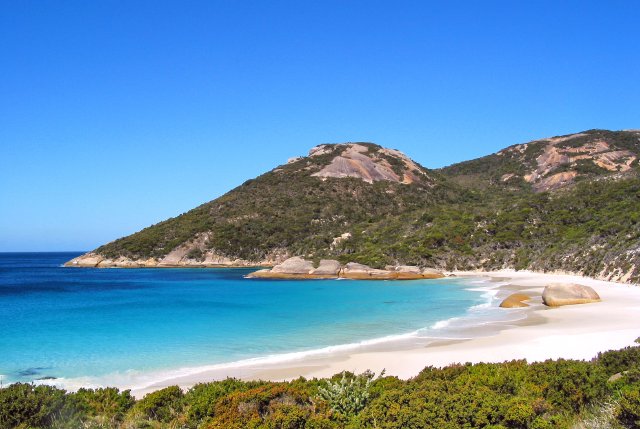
<point>628,413</point>
<point>201,399</point>
<point>108,403</point>
<point>262,407</point>
<point>26,406</point>
<point>162,405</point>
<point>350,394</point>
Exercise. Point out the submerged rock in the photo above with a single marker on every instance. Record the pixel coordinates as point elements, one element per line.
<point>515,300</point>
<point>558,294</point>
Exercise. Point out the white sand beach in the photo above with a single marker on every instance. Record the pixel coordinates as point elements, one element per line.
<point>572,332</point>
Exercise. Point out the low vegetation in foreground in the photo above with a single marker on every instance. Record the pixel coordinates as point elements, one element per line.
<point>601,393</point>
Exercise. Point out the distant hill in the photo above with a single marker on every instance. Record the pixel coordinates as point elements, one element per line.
<point>553,163</point>
<point>567,203</point>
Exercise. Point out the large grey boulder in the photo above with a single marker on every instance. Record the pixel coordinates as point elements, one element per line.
<point>431,273</point>
<point>327,267</point>
<point>558,294</point>
<point>357,271</point>
<point>292,268</point>
<point>409,269</point>
<point>295,265</point>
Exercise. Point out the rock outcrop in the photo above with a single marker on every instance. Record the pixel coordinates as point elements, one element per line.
<point>360,161</point>
<point>295,265</point>
<point>210,260</point>
<point>299,268</point>
<point>515,300</point>
<point>356,271</point>
<point>562,159</point>
<point>559,294</point>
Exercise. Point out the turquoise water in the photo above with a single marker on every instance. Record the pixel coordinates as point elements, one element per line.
<point>73,323</point>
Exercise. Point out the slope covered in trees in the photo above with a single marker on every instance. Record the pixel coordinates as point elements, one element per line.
<point>563,203</point>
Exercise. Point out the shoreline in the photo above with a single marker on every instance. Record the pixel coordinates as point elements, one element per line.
<point>539,333</point>
<point>485,333</point>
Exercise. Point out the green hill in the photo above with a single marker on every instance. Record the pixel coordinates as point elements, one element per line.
<point>553,163</point>
<point>565,203</point>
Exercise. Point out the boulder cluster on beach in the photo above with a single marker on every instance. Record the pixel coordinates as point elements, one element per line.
<point>555,295</point>
<point>300,268</point>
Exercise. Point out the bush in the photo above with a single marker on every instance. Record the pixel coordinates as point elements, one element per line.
<point>628,412</point>
<point>262,407</point>
<point>620,360</point>
<point>201,399</point>
<point>25,405</point>
<point>350,395</point>
<point>162,405</point>
<point>108,403</point>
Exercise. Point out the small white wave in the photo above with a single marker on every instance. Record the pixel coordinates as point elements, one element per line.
<point>441,324</point>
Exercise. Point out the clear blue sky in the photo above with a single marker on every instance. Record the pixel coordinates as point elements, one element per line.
<point>116,115</point>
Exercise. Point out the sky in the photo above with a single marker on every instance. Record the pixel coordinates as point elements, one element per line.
<point>115,115</point>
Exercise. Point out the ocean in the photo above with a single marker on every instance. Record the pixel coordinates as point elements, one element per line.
<point>98,326</point>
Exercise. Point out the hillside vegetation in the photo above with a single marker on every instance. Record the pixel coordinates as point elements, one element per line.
<point>510,395</point>
<point>564,203</point>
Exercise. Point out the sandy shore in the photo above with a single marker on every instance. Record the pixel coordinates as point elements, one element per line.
<point>539,333</point>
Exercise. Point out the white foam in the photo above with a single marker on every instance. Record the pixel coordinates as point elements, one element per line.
<point>441,324</point>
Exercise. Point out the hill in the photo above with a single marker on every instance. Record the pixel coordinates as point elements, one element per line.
<point>567,203</point>
<point>300,207</point>
<point>553,163</point>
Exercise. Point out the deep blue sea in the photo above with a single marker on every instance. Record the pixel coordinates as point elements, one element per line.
<point>84,323</point>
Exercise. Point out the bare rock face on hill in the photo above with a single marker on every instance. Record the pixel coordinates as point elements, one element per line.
<point>568,153</point>
<point>556,162</point>
<point>559,294</point>
<point>359,161</point>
